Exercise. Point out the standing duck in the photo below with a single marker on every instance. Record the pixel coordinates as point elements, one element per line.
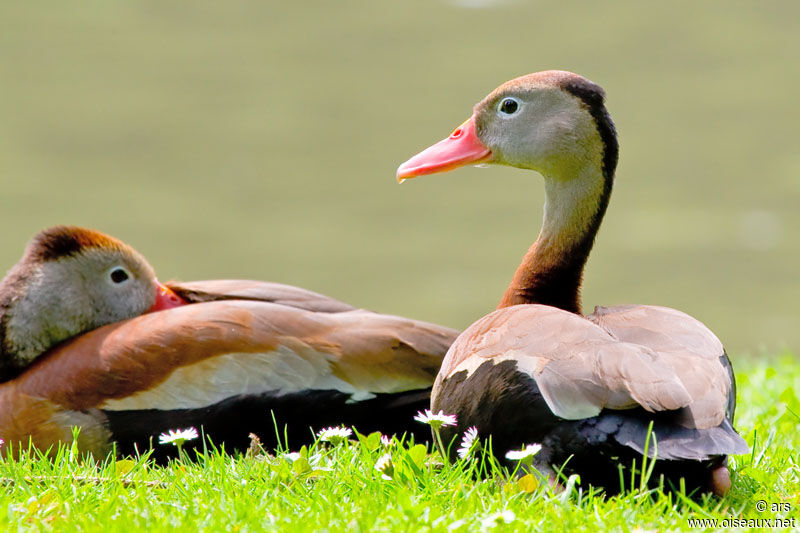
<point>219,355</point>
<point>535,370</point>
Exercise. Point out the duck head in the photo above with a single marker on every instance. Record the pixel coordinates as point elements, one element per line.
<point>553,122</point>
<point>71,280</point>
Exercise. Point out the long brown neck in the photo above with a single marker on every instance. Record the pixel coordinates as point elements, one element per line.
<point>552,270</point>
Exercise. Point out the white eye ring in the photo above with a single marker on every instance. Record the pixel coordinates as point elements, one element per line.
<point>118,275</point>
<point>509,106</point>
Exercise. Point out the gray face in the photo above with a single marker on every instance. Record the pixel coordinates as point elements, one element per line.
<point>75,294</point>
<point>117,285</point>
<point>541,128</point>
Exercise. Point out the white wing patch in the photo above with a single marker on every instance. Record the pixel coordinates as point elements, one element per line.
<point>529,364</point>
<point>567,400</point>
<point>217,378</point>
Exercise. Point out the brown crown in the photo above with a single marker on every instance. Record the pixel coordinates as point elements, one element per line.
<point>58,242</point>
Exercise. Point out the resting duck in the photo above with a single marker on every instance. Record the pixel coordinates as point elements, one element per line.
<point>218,355</point>
<point>71,280</point>
<point>537,371</point>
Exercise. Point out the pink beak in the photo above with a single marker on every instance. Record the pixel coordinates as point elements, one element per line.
<point>462,148</point>
<point>166,299</point>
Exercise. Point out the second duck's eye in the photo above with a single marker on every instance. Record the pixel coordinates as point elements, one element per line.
<point>509,106</point>
<point>119,275</point>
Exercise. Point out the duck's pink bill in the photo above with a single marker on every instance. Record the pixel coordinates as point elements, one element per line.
<point>461,148</point>
<point>166,299</point>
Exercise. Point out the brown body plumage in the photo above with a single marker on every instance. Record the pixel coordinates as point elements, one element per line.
<point>234,351</point>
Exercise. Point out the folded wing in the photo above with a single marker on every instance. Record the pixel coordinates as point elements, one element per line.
<point>264,291</point>
<point>199,355</point>
<point>690,349</point>
<point>582,367</point>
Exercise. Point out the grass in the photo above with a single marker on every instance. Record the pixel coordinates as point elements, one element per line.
<point>338,488</point>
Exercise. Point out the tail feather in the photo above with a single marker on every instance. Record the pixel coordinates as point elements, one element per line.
<point>675,442</point>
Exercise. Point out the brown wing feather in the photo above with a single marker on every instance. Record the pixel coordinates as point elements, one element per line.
<point>266,291</point>
<point>686,345</point>
<point>578,366</point>
<point>377,352</point>
<point>661,328</point>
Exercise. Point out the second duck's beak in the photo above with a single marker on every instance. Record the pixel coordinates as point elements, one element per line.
<point>462,148</point>
<point>166,299</point>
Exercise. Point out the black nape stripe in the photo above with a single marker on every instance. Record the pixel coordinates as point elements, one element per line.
<point>230,421</point>
<point>593,97</point>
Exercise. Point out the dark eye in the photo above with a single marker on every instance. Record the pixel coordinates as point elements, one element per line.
<point>509,106</point>
<point>118,275</point>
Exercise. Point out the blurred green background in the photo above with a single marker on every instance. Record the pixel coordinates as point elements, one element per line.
<point>260,139</point>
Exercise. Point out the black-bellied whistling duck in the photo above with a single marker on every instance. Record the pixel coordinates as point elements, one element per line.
<point>221,357</point>
<point>536,370</point>
<point>71,280</point>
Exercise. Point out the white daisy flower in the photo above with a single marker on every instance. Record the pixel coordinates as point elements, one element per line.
<point>468,442</point>
<point>177,437</point>
<point>435,420</point>
<point>527,452</point>
<point>385,466</point>
<point>493,520</point>
<point>386,441</point>
<point>334,435</point>
<point>291,456</point>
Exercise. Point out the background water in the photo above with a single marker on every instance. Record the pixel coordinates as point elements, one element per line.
<point>259,139</point>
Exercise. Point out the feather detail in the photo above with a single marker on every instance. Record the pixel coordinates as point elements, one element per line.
<point>582,368</point>
<point>359,351</point>
<point>263,291</point>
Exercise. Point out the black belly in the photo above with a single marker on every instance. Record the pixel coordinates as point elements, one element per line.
<point>506,404</point>
<point>296,416</point>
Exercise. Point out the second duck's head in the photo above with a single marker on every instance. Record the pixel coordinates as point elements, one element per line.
<point>71,280</point>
